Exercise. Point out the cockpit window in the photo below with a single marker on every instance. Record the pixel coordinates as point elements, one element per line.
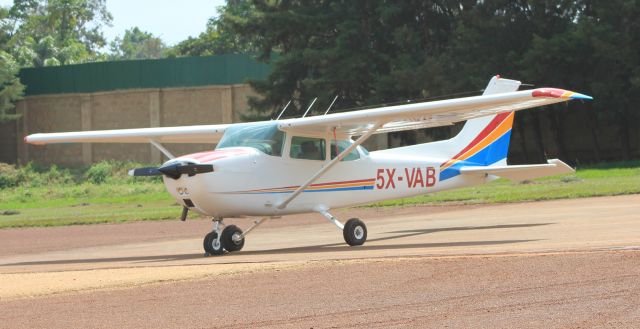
<point>343,145</point>
<point>307,148</point>
<point>267,139</point>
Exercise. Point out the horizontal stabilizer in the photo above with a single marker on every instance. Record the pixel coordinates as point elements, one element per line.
<point>521,172</point>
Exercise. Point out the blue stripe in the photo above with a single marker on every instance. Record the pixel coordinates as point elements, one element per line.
<point>352,188</point>
<point>491,154</point>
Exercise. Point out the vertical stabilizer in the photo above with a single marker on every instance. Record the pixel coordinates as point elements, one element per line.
<point>482,141</point>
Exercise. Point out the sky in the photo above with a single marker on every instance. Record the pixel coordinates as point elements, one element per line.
<point>171,20</point>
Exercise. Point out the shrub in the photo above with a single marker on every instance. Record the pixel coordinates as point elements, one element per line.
<point>100,172</point>
<point>8,175</point>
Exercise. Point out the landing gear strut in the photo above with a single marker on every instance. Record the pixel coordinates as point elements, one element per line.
<point>231,238</point>
<point>212,242</point>
<point>354,231</point>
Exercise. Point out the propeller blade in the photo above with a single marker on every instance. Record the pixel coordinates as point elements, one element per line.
<point>175,170</point>
<point>194,169</point>
<point>149,171</point>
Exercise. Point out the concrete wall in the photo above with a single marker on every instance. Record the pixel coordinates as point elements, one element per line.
<point>8,146</point>
<point>120,110</point>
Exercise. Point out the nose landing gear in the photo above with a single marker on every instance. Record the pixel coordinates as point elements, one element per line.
<point>231,238</point>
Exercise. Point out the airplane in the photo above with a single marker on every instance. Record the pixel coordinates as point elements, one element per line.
<point>315,164</point>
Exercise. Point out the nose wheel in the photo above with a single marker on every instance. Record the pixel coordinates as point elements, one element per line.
<point>232,238</point>
<point>213,245</point>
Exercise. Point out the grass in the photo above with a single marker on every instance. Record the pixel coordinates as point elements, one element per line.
<point>602,180</point>
<point>86,204</point>
<point>117,198</point>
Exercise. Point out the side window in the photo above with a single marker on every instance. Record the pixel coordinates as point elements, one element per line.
<point>343,145</point>
<point>307,148</point>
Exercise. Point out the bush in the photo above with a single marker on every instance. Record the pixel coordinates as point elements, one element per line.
<point>32,175</point>
<point>8,175</point>
<point>100,172</point>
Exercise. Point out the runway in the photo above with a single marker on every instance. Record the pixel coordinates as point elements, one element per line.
<point>566,263</point>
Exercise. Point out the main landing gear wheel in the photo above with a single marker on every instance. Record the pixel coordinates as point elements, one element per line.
<point>232,239</point>
<point>354,232</point>
<point>213,245</point>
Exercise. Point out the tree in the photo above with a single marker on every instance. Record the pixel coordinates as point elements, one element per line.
<point>219,37</point>
<point>44,33</point>
<point>10,87</point>
<point>137,44</point>
<point>57,32</point>
<point>364,51</point>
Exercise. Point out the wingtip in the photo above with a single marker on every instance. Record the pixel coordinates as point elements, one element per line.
<point>559,93</point>
<point>581,96</point>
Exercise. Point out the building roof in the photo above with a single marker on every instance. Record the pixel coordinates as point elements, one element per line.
<point>135,74</point>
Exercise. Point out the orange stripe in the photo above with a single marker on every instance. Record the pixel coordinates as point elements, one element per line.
<point>492,137</point>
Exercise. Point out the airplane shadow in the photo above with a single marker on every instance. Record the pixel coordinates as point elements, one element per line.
<point>331,247</point>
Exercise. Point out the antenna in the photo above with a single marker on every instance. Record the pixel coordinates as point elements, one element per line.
<point>284,109</point>
<point>310,106</point>
<point>329,108</point>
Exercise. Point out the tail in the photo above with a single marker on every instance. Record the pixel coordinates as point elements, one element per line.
<point>482,141</point>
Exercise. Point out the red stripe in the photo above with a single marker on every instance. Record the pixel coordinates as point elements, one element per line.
<point>486,131</point>
<point>348,181</point>
<point>321,184</point>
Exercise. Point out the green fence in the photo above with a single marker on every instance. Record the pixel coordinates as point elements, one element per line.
<point>160,73</point>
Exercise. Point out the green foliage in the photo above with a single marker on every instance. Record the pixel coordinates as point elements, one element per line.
<point>8,176</point>
<point>46,33</point>
<point>10,87</point>
<point>373,52</point>
<point>32,176</point>
<point>137,44</point>
<point>56,32</point>
<point>219,37</point>
<point>99,172</point>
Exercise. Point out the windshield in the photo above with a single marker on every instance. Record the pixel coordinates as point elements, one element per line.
<point>266,138</point>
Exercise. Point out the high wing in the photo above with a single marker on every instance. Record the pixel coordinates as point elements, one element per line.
<point>428,114</point>
<point>185,134</point>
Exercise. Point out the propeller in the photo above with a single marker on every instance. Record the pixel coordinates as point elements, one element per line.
<point>173,170</point>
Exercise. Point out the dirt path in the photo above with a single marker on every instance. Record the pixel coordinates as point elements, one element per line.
<point>567,263</point>
<point>573,290</point>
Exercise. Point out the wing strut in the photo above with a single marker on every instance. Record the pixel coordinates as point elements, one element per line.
<point>162,149</point>
<point>331,163</point>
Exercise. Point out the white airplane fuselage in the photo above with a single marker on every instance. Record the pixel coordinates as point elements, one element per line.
<point>247,182</point>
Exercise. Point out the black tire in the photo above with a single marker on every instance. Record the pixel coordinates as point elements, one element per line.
<point>355,232</point>
<point>227,238</point>
<point>210,247</point>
